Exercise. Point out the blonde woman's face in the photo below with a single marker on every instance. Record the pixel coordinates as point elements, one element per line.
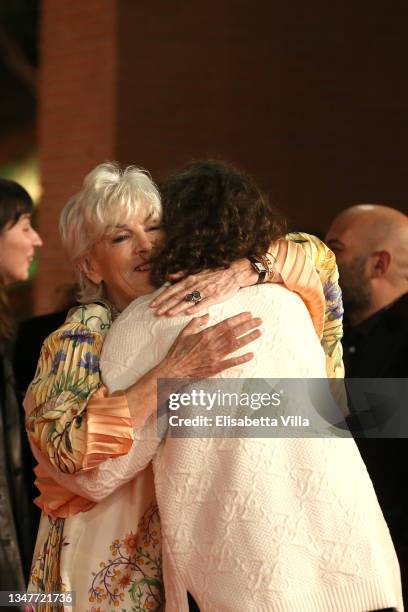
<point>17,247</point>
<point>121,260</point>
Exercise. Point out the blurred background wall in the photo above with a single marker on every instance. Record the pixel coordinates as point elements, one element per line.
<point>309,97</point>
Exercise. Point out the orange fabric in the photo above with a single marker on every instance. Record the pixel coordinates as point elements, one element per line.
<point>109,430</point>
<point>109,434</point>
<point>299,275</point>
<point>109,427</point>
<point>55,500</point>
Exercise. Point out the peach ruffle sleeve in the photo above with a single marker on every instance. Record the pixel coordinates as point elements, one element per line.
<point>69,416</point>
<point>298,274</point>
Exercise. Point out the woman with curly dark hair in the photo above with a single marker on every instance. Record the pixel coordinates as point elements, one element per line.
<point>233,232</point>
<point>266,523</point>
<point>221,215</point>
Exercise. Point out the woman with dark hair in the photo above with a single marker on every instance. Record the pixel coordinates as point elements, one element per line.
<point>282,524</point>
<point>215,202</point>
<point>18,241</point>
<point>222,208</point>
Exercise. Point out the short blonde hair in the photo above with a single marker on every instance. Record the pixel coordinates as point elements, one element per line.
<point>110,196</point>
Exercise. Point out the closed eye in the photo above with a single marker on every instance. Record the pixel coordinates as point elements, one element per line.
<point>120,238</point>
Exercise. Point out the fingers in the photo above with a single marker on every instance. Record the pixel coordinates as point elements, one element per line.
<point>221,366</point>
<point>176,276</point>
<point>217,284</point>
<point>200,306</point>
<point>183,307</point>
<point>229,343</point>
<point>230,323</point>
<point>195,325</point>
<point>186,308</point>
<point>177,306</point>
<point>243,328</point>
<point>174,304</point>
<point>180,287</point>
<point>244,340</point>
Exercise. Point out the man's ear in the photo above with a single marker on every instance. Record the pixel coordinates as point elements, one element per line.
<point>381,261</point>
<point>89,267</point>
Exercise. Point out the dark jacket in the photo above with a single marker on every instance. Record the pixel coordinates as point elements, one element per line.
<point>16,530</point>
<point>378,348</point>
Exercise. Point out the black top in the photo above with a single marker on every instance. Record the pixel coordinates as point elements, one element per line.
<point>30,337</point>
<point>17,534</point>
<point>378,346</point>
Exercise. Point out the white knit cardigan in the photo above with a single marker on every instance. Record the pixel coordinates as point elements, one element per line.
<point>262,525</point>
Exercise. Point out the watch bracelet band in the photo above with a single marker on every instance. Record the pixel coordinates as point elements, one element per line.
<point>263,274</point>
<point>271,261</point>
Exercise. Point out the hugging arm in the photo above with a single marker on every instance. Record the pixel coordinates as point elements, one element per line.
<point>278,355</point>
<point>302,262</point>
<point>70,416</point>
<point>194,354</point>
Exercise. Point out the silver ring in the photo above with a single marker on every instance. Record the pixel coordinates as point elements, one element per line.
<point>194,297</point>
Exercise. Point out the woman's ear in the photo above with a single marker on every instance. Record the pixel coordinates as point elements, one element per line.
<point>90,268</point>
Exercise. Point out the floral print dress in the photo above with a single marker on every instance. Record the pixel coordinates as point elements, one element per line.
<point>109,553</point>
<point>324,261</point>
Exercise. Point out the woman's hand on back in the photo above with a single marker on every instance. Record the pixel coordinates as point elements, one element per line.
<point>215,286</point>
<point>201,353</point>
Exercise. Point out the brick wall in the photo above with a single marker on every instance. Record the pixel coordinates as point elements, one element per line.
<point>310,99</point>
<point>77,124</point>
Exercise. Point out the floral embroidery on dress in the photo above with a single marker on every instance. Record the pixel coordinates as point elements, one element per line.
<point>133,573</point>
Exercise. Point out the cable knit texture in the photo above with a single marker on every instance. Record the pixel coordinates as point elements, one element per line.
<point>279,525</point>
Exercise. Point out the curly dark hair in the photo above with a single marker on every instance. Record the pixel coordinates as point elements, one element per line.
<point>213,214</point>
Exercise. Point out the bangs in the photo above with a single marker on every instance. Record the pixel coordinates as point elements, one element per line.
<point>18,209</point>
<point>14,202</point>
<point>110,197</point>
<point>122,210</point>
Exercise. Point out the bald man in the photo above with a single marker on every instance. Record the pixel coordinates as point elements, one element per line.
<point>371,247</point>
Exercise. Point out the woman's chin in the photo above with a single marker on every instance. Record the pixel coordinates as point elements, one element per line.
<point>17,277</point>
<point>142,287</point>
<point>142,280</point>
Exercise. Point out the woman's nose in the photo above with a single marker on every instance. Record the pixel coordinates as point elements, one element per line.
<point>143,243</point>
<point>37,242</point>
